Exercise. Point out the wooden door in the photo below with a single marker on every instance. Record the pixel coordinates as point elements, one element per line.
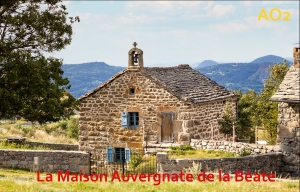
<point>166,127</point>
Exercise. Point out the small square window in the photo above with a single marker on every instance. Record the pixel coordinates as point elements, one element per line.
<point>131,91</point>
<point>133,119</point>
<point>130,119</point>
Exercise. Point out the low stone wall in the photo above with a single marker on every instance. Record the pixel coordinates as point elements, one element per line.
<point>234,147</point>
<point>46,161</point>
<point>288,147</point>
<point>269,163</point>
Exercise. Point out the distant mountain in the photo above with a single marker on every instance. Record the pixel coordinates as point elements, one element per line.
<point>87,76</point>
<point>262,73</point>
<point>234,76</point>
<point>206,63</point>
<point>270,59</point>
<point>289,58</point>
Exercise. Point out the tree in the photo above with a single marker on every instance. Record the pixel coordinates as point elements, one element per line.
<point>32,85</point>
<point>268,110</point>
<point>247,104</point>
<point>227,121</point>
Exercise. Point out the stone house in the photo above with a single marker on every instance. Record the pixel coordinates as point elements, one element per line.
<point>140,105</point>
<point>288,129</point>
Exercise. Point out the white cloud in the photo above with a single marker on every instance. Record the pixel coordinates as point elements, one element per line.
<point>221,10</point>
<point>231,26</point>
<point>248,3</point>
<point>131,18</point>
<point>156,6</point>
<point>166,7</point>
<point>294,13</point>
<point>255,23</point>
<point>277,2</point>
<point>177,33</point>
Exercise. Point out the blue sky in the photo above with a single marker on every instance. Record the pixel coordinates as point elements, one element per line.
<point>175,32</point>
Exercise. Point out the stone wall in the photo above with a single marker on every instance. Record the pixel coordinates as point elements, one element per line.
<point>289,149</point>
<point>288,137</point>
<point>201,121</point>
<point>47,161</point>
<point>255,163</point>
<point>100,114</point>
<point>234,147</point>
<point>288,120</point>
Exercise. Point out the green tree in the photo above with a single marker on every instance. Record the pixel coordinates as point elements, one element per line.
<point>227,121</point>
<point>268,110</point>
<point>247,105</point>
<point>32,85</point>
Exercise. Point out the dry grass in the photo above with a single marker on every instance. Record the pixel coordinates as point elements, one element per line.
<point>261,134</point>
<point>19,180</point>
<point>50,133</point>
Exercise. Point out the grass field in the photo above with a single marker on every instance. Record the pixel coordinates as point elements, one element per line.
<point>191,153</point>
<point>12,180</point>
<point>51,133</point>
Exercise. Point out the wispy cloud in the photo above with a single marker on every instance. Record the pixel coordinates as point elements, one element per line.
<point>165,7</point>
<point>219,11</point>
<point>253,22</point>
<point>228,27</point>
<point>277,2</point>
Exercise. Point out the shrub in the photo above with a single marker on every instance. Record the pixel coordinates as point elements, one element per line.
<point>195,169</point>
<point>72,128</point>
<point>245,152</point>
<point>63,124</point>
<point>182,150</point>
<point>135,160</point>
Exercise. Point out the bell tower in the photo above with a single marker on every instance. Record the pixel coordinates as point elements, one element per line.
<point>135,58</point>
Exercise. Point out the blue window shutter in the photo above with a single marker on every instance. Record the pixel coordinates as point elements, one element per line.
<point>124,119</point>
<point>127,154</point>
<point>109,154</point>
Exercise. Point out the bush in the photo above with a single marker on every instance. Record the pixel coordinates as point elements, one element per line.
<point>245,152</point>
<point>72,128</point>
<point>182,150</point>
<point>63,125</point>
<point>135,160</point>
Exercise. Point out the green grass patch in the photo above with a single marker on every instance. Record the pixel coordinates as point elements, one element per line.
<point>193,154</point>
<point>7,145</point>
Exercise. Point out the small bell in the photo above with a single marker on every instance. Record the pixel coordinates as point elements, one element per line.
<point>135,58</point>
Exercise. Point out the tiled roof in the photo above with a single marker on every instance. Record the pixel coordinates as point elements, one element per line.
<point>182,81</point>
<point>289,88</point>
<point>186,83</point>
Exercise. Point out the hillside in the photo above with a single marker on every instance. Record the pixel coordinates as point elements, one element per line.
<point>87,76</point>
<point>270,59</point>
<point>234,76</point>
<point>206,63</point>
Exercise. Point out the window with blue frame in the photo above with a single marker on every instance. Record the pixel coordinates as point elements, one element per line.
<point>130,119</point>
<point>118,154</point>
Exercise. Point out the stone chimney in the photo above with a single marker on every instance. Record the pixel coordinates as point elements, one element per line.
<point>296,56</point>
<point>135,58</point>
